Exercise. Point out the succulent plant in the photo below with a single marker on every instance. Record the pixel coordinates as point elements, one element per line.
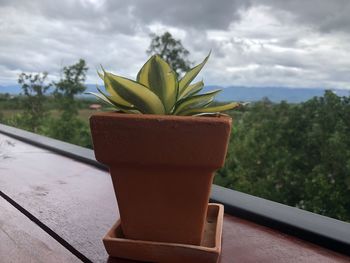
<point>157,90</point>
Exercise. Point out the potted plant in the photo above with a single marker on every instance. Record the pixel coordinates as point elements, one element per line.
<point>162,156</point>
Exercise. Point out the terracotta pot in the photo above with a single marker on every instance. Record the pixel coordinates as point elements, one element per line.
<point>162,170</point>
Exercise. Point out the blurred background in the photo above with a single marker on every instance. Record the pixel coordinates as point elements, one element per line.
<point>289,59</point>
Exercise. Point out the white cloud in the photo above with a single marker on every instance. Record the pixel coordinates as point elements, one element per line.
<point>254,43</point>
<point>262,50</point>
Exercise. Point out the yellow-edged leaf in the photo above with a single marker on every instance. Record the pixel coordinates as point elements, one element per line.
<point>142,75</point>
<point>136,94</point>
<point>101,97</point>
<point>209,110</point>
<point>158,76</point>
<point>110,101</point>
<point>192,89</point>
<point>115,102</point>
<point>116,97</point>
<point>190,75</point>
<point>100,74</point>
<point>113,105</point>
<point>195,101</point>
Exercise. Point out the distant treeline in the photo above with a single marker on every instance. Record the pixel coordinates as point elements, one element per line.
<point>297,154</point>
<point>40,98</point>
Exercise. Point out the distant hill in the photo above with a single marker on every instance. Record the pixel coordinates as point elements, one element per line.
<point>11,89</point>
<point>275,94</point>
<point>237,93</point>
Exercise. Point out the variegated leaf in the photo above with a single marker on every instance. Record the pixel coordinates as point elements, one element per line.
<point>192,89</point>
<point>101,97</point>
<point>158,76</point>
<point>110,101</point>
<point>136,94</point>
<point>190,75</point>
<point>195,101</point>
<point>211,110</point>
<point>116,97</point>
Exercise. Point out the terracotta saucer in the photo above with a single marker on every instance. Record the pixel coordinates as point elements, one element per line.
<point>208,252</point>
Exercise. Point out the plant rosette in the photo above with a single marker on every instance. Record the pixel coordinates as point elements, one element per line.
<point>161,157</point>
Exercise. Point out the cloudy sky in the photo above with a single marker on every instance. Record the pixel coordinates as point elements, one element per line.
<point>294,43</point>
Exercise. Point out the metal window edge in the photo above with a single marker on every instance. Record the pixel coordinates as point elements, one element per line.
<point>67,149</point>
<point>322,230</point>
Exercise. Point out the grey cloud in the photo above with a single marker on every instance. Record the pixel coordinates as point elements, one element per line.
<point>323,15</point>
<point>128,16</point>
<point>83,14</point>
<point>34,42</point>
<point>205,14</point>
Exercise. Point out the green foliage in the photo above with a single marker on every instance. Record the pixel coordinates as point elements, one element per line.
<point>36,108</point>
<point>298,155</point>
<point>17,120</point>
<point>157,90</point>
<point>171,50</point>
<point>10,102</point>
<point>34,89</point>
<point>68,127</point>
<point>70,85</point>
<point>72,130</point>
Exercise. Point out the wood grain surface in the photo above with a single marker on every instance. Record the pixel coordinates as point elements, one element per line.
<point>23,241</point>
<point>247,242</point>
<point>77,201</point>
<point>73,199</point>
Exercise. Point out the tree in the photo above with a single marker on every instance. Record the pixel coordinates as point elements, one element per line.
<point>171,50</point>
<point>68,127</point>
<point>34,89</point>
<point>69,86</point>
<point>298,155</point>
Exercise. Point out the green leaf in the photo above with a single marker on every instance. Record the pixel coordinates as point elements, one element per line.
<point>192,89</point>
<point>110,101</point>
<point>142,75</point>
<point>190,75</point>
<point>211,110</point>
<point>136,94</point>
<point>101,97</point>
<point>115,107</point>
<point>116,97</point>
<point>158,76</point>
<point>195,101</point>
<point>115,102</point>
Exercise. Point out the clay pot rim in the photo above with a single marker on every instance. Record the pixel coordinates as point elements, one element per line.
<point>220,117</point>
